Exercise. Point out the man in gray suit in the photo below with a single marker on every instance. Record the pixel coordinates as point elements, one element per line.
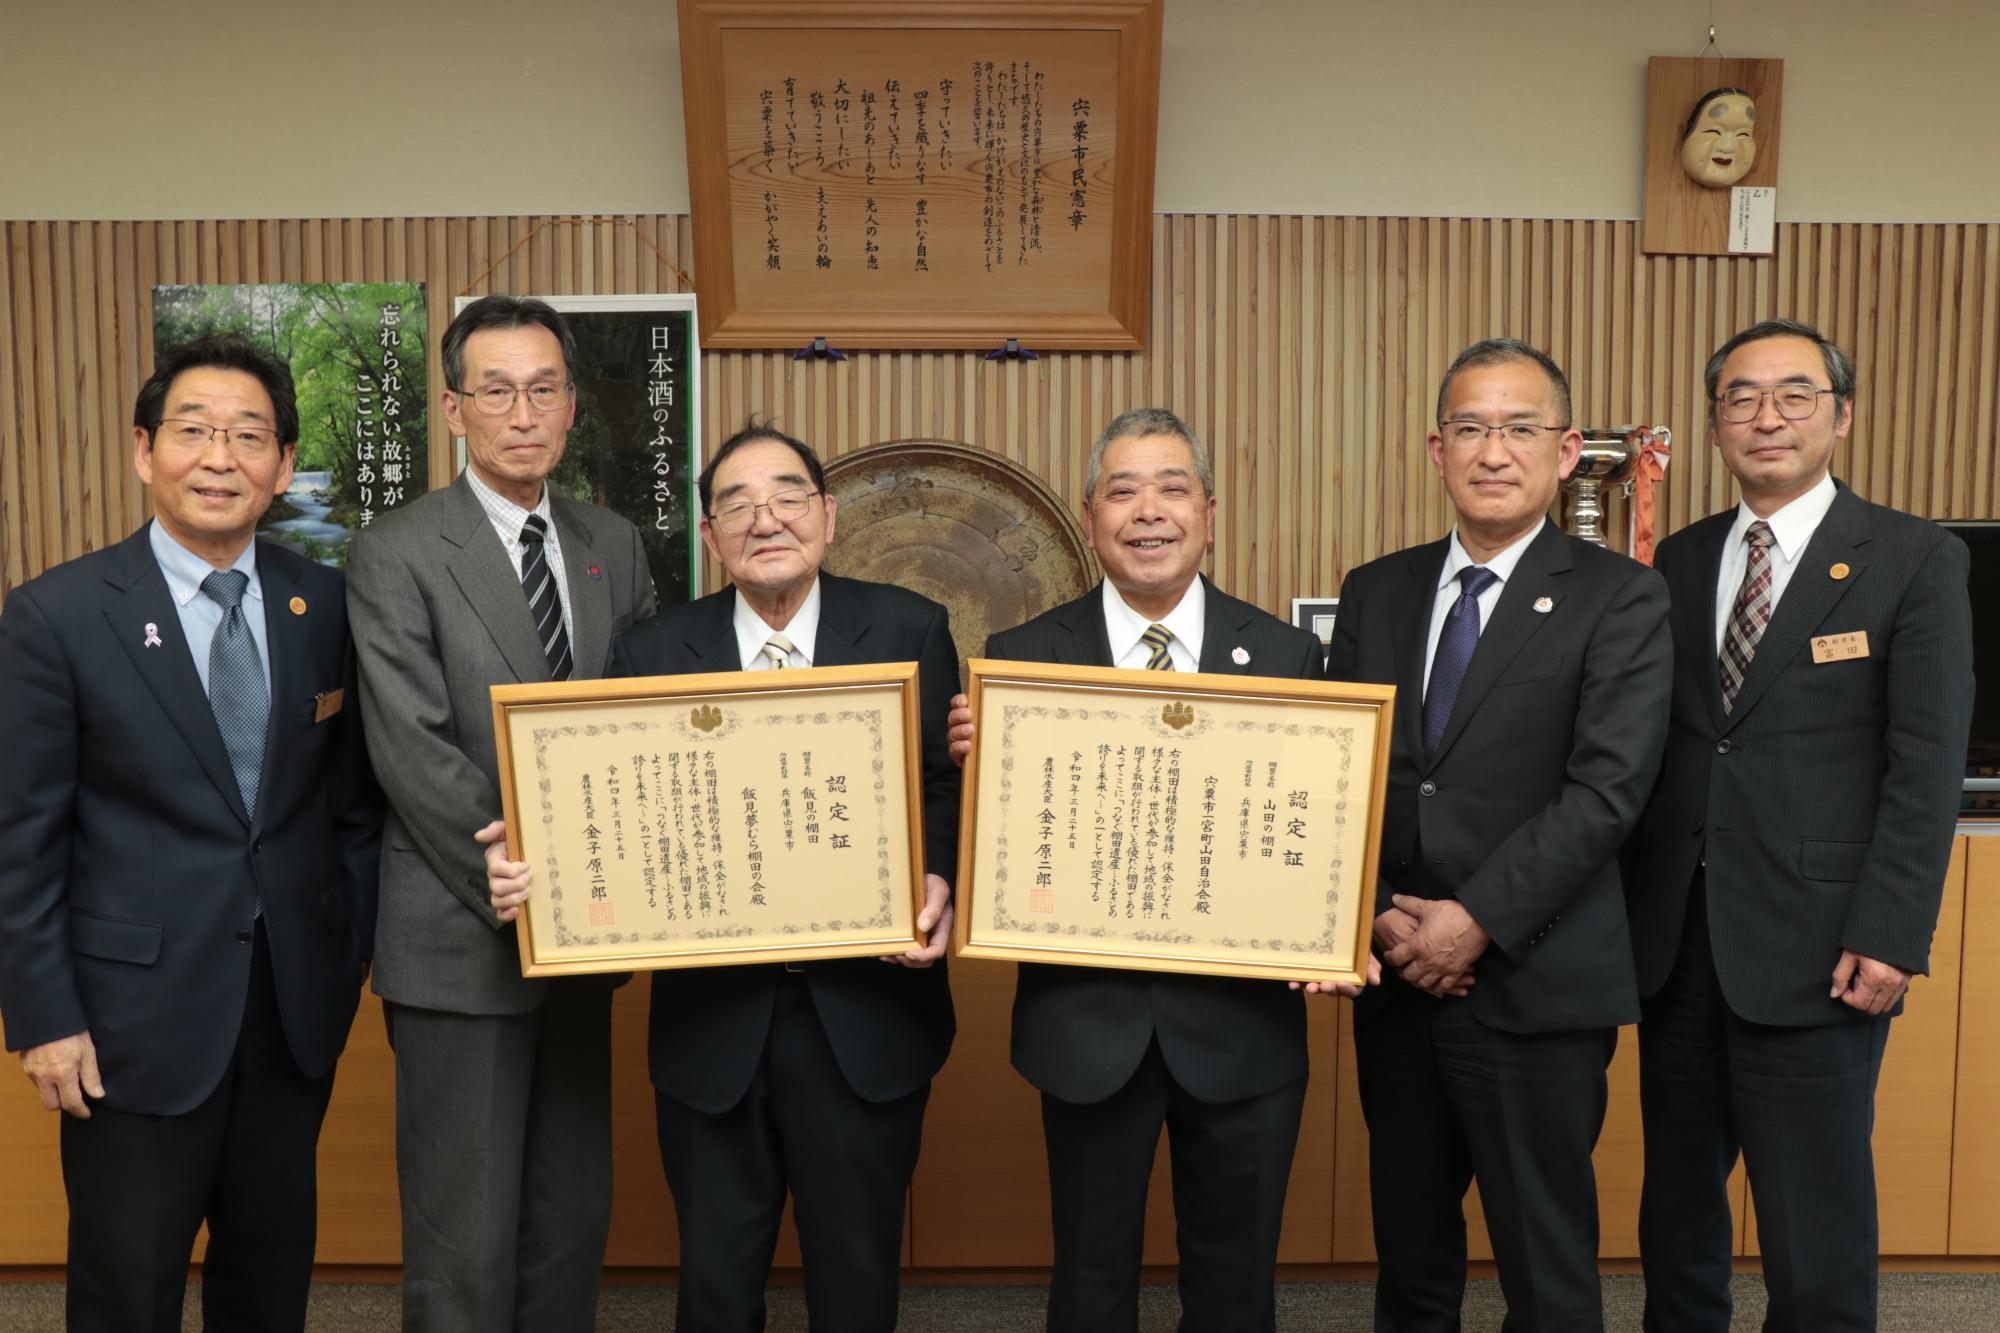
<point>503,1085</point>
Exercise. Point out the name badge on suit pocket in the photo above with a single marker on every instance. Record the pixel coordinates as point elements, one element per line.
<point>327,702</point>
<point>1840,647</point>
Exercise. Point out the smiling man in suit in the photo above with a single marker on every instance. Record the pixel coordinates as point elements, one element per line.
<point>503,1084</point>
<point>1532,671</point>
<point>1788,873</point>
<point>188,836</point>
<point>1220,1063</point>
<point>807,1078</point>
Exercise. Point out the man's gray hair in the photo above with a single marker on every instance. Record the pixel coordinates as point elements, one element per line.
<point>1839,365</point>
<point>1148,421</point>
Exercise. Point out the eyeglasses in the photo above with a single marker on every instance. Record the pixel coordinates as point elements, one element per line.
<point>1795,402</point>
<point>497,397</point>
<point>1466,431</point>
<point>785,506</point>
<point>243,441</point>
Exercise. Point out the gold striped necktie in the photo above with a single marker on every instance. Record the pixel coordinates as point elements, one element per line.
<point>1156,638</point>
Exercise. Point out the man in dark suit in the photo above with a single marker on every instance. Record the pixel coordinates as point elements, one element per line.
<point>1220,1062</point>
<point>802,1077</point>
<point>1788,871</point>
<point>188,834</point>
<point>1531,671</point>
<point>503,1084</point>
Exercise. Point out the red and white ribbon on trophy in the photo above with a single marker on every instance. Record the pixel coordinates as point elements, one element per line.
<point>1655,449</point>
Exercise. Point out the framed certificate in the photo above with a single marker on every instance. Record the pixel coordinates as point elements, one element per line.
<point>1179,822</point>
<point>702,820</point>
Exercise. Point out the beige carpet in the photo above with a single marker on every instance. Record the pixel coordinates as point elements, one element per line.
<point>1911,1303</point>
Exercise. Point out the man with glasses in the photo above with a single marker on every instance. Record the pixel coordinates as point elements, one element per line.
<point>1218,1062</point>
<point>188,837</point>
<point>503,1084</point>
<point>1532,672</point>
<point>807,1078</point>
<point>1788,872</point>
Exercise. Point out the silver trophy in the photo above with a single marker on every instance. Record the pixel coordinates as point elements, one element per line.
<point>1609,458</point>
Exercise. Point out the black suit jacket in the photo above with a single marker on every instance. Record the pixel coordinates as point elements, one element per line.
<point>1825,801</point>
<point>1080,1032</point>
<point>890,1027</point>
<point>1552,746</point>
<point>127,866</point>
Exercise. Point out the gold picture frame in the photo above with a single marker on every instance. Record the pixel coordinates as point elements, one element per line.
<point>715,819</point>
<point>1151,793</point>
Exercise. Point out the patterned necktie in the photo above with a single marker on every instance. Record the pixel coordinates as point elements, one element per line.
<point>1454,653</point>
<point>544,602</point>
<point>779,649</point>
<point>1156,638</point>
<point>236,690</point>
<point>1751,615</point>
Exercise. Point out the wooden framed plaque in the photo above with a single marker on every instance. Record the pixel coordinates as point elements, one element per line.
<point>922,173</point>
<point>705,820</point>
<point>1179,822</point>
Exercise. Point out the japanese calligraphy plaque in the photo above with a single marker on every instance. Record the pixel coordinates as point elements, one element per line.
<point>922,173</point>
<point>739,817</point>
<point>1177,822</point>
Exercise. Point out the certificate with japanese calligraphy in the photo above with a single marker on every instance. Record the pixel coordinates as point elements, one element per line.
<point>738,817</point>
<point>1179,822</point>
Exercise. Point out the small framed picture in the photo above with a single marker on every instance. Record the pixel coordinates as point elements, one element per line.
<point>1316,614</point>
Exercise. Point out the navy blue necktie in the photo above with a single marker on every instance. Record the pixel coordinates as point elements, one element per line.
<point>1454,654</point>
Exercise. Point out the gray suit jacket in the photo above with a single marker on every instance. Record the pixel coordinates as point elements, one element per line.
<point>439,616</point>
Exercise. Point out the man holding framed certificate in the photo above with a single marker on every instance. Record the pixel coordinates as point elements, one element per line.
<point>1118,1054</point>
<point>808,1078</point>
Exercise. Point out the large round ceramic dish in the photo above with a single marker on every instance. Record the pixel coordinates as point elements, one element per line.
<point>960,525</point>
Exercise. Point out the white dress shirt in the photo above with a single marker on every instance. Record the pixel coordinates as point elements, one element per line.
<point>508,519</point>
<point>1123,627</point>
<point>1791,528</point>
<point>752,633</point>
<point>1448,589</point>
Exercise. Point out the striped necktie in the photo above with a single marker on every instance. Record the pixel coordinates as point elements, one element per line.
<point>1156,638</point>
<point>544,602</point>
<point>779,649</point>
<point>1751,615</point>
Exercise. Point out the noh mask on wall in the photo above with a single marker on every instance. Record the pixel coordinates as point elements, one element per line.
<point>1719,144</point>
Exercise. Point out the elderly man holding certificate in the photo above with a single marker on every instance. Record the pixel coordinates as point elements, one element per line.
<point>803,1077</point>
<point>1117,1054</point>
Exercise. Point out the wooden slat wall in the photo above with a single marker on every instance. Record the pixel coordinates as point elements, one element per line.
<point>1306,350</point>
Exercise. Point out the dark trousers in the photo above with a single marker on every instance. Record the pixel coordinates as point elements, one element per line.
<point>1799,1104</point>
<point>800,1128</point>
<point>1449,1099</point>
<point>140,1186</point>
<point>1231,1163</point>
<point>503,1161</point>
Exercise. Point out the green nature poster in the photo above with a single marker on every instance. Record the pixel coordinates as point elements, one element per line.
<point>357,353</point>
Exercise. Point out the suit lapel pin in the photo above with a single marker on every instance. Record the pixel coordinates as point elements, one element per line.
<point>1839,571</point>
<point>152,636</point>
<point>596,573</point>
<point>1544,605</point>
<point>298,605</point>
<point>1240,656</point>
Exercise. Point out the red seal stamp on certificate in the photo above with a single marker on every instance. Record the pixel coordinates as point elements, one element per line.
<point>603,914</point>
<point>1041,900</point>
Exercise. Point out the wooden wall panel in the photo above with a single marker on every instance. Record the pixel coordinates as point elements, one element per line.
<point>1305,350</point>
<point>1975,1159</point>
